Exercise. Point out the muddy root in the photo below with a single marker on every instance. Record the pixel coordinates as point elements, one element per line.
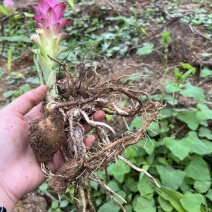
<point>47,135</point>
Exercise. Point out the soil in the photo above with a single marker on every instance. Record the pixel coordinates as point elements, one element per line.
<point>51,133</point>
<point>187,46</point>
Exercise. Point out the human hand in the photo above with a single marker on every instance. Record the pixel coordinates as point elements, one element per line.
<point>20,172</point>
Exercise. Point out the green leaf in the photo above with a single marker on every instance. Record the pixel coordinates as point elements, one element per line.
<point>198,146</point>
<point>20,38</point>
<point>136,123</point>
<point>3,10</point>
<point>189,117</point>
<point>94,185</point>
<point>2,72</point>
<point>205,54</point>
<point>170,177</point>
<point>204,113</point>
<point>172,87</point>
<point>43,187</point>
<point>166,113</point>
<point>23,89</point>
<point>192,202</point>
<point>17,75</point>
<point>33,80</point>
<point>179,148</point>
<point>147,49</point>
<point>209,195</point>
<point>188,67</point>
<point>64,203</point>
<point>109,206</point>
<point>144,186</point>
<point>118,170</point>
<point>202,186</point>
<point>165,205</point>
<point>8,94</point>
<point>205,133</point>
<point>205,72</point>
<point>149,145</point>
<point>173,197</point>
<point>54,204</point>
<point>131,184</point>
<point>114,186</point>
<point>198,169</point>
<point>128,208</point>
<point>153,129</point>
<point>142,204</point>
<point>194,92</point>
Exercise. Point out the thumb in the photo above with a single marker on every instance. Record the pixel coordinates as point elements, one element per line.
<point>27,101</point>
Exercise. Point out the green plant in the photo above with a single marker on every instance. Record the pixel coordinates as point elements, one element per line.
<point>165,40</point>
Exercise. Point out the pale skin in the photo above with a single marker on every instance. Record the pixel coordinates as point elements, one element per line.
<point>20,172</point>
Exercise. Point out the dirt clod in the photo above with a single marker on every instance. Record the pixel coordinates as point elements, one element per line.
<point>46,135</point>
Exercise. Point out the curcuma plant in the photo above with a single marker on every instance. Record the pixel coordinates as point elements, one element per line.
<point>70,102</point>
<point>49,35</point>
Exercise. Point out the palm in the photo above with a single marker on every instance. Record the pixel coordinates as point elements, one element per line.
<point>21,165</point>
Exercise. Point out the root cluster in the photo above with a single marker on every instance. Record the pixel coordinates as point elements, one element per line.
<point>79,98</point>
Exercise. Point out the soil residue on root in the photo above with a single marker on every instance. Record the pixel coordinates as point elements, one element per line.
<point>48,135</point>
<point>78,98</point>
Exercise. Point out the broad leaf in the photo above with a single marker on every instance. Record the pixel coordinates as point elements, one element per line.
<point>192,202</point>
<point>202,186</point>
<point>8,94</point>
<point>144,186</point>
<point>198,146</point>
<point>153,129</point>
<point>209,195</point>
<point>147,49</point>
<point>179,148</point>
<point>189,117</point>
<point>165,205</point>
<point>173,197</point>
<point>131,184</point>
<point>205,72</point>
<point>205,133</point>
<point>198,169</point>
<point>118,170</point>
<point>114,186</point>
<point>194,92</point>
<point>170,177</point>
<point>142,204</point>
<point>20,38</point>
<point>109,206</point>
<point>204,113</point>
<point>172,87</point>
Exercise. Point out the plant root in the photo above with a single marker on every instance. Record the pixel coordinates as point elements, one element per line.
<point>80,97</point>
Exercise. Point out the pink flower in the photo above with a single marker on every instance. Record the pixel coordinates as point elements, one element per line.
<point>50,16</point>
<point>48,37</point>
<point>10,5</point>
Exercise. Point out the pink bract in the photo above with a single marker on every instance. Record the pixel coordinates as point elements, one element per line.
<point>50,15</point>
<point>9,4</point>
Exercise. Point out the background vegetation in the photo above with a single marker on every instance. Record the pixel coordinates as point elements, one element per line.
<point>166,48</point>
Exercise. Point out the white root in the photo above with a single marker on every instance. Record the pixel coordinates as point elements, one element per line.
<point>96,123</point>
<point>139,170</point>
<point>75,140</point>
<point>119,110</point>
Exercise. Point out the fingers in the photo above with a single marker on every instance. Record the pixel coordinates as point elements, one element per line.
<point>97,116</point>
<point>27,101</point>
<point>89,140</point>
<point>58,160</point>
<point>35,113</point>
<point>56,163</point>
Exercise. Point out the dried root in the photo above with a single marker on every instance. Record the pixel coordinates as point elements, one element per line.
<point>79,98</point>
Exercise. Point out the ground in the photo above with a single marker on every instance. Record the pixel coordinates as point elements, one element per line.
<point>188,43</point>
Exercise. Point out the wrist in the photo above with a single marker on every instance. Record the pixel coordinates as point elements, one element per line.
<point>6,199</point>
